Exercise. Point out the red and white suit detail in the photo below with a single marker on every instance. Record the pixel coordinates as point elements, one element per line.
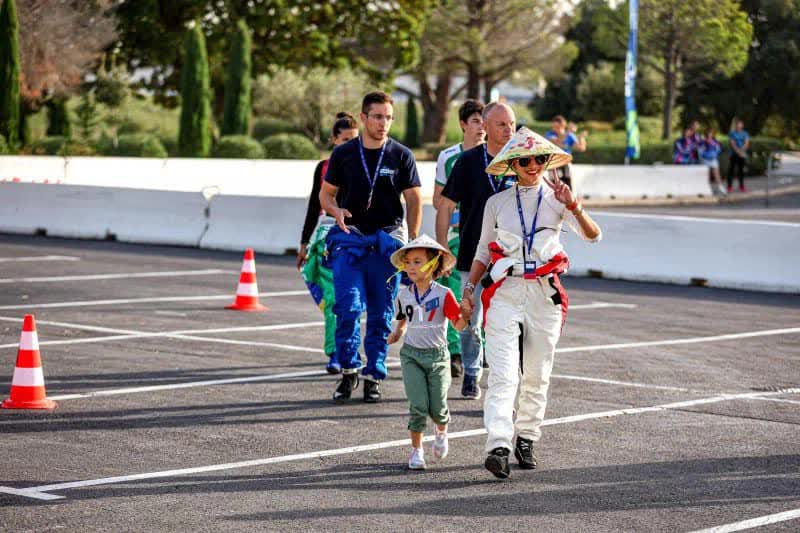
<point>537,305</point>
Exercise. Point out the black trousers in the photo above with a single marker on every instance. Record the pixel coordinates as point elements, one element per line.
<point>736,162</point>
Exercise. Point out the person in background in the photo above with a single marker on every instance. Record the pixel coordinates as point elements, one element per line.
<point>739,141</point>
<point>471,121</point>
<point>424,311</point>
<point>566,137</point>
<point>468,187</point>
<point>684,151</point>
<point>365,180</point>
<point>697,137</point>
<point>317,276</point>
<point>709,149</point>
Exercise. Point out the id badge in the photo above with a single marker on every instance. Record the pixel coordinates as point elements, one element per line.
<point>530,270</point>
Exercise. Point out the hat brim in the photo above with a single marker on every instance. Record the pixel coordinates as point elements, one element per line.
<point>503,168</point>
<point>398,256</point>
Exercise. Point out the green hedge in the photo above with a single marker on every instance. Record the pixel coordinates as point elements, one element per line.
<point>238,147</point>
<point>267,127</point>
<point>57,145</point>
<point>136,145</point>
<point>289,146</point>
<point>3,145</point>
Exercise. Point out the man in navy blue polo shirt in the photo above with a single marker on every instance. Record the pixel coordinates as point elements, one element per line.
<point>366,177</point>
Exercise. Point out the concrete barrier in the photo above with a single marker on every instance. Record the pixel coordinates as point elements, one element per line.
<point>726,253</point>
<point>268,225</point>
<point>28,169</point>
<point>600,182</point>
<point>131,215</point>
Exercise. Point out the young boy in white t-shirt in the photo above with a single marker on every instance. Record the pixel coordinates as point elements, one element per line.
<point>423,311</point>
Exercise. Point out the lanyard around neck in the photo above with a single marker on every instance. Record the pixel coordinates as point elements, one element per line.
<point>493,183</point>
<point>417,297</point>
<point>528,238</point>
<point>372,181</point>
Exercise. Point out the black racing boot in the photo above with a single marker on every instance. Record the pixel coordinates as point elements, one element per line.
<point>456,368</point>
<point>345,388</point>
<point>497,463</point>
<point>372,391</point>
<point>523,451</point>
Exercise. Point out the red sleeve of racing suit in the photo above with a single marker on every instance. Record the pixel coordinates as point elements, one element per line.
<point>451,308</point>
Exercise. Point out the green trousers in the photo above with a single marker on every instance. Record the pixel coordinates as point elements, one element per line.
<point>426,377</point>
<point>453,282</point>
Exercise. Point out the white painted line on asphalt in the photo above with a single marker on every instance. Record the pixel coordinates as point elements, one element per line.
<point>123,301</point>
<point>620,383</point>
<point>753,522</point>
<point>602,305</point>
<point>38,258</point>
<point>28,493</point>
<point>779,400</point>
<point>128,275</point>
<point>70,325</point>
<point>725,220</point>
<point>294,348</point>
<point>42,490</point>
<point>161,334</point>
<point>689,340</point>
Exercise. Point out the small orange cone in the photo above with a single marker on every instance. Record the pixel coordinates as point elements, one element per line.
<point>247,291</point>
<point>27,385</point>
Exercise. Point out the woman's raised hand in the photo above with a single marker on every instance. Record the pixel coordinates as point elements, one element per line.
<point>561,190</point>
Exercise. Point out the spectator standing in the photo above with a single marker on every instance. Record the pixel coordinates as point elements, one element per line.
<point>739,141</point>
<point>362,189</point>
<point>310,257</point>
<point>709,150</point>
<point>684,151</point>
<point>565,136</point>
<point>470,119</point>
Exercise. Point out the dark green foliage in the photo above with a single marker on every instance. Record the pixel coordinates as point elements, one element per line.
<point>136,145</point>
<point>236,117</point>
<point>63,146</point>
<point>238,147</point>
<point>289,146</point>
<point>3,146</point>
<point>768,85</point>
<point>9,73</point>
<point>58,121</point>
<point>86,113</point>
<point>412,125</point>
<point>194,139</point>
<point>267,127</point>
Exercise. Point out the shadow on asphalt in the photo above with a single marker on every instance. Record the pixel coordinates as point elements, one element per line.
<point>656,485</point>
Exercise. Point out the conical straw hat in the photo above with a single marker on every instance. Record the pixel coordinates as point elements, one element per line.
<point>526,143</point>
<point>423,241</point>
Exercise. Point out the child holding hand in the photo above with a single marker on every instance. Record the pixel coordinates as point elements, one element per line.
<point>423,309</point>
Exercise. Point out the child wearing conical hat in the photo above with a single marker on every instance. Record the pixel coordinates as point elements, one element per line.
<point>423,311</point>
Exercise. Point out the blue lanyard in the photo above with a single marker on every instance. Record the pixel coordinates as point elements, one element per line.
<point>492,181</point>
<point>528,237</point>
<point>374,179</point>
<point>416,294</point>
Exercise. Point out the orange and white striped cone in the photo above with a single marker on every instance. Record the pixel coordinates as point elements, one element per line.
<point>247,291</point>
<point>27,385</point>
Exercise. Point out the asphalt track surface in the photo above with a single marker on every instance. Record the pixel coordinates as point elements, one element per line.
<point>672,409</point>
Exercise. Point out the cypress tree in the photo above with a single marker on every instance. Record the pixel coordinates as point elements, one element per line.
<point>236,118</point>
<point>58,122</point>
<point>9,73</point>
<point>412,125</point>
<point>194,139</point>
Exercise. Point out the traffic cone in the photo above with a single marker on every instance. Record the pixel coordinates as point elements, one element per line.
<point>247,291</point>
<point>27,385</point>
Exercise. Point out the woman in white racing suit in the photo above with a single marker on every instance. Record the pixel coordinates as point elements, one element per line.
<point>520,247</point>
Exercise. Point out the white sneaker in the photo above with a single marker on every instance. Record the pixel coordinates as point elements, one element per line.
<point>416,461</point>
<point>440,445</point>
